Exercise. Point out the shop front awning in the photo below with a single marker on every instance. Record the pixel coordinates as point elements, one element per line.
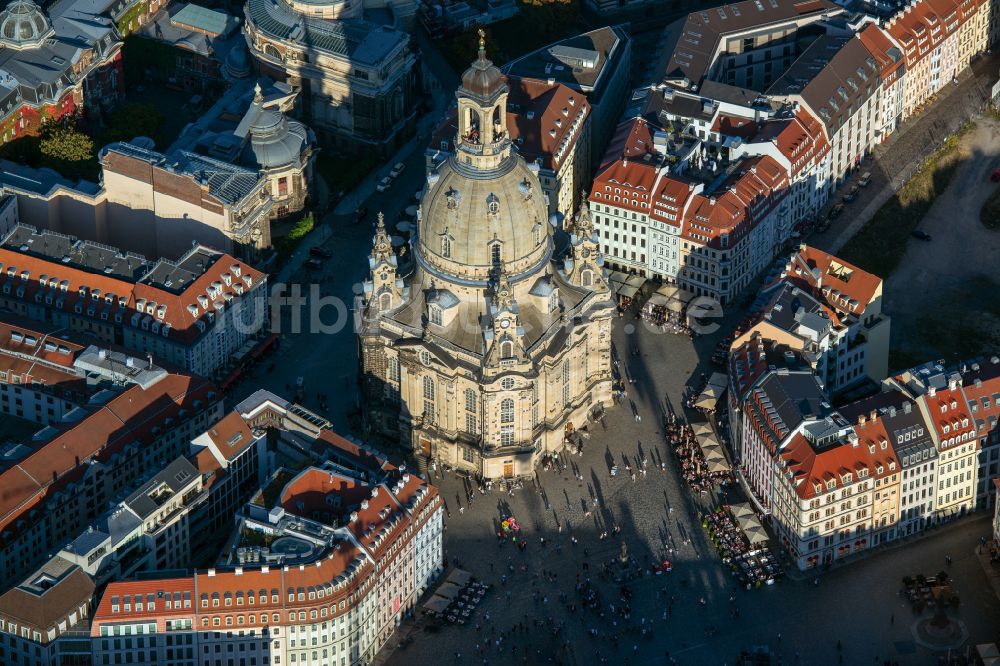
<point>437,604</point>
<point>448,590</point>
<point>748,523</point>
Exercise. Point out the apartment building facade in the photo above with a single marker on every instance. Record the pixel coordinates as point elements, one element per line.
<point>938,39</point>
<point>336,606</point>
<point>193,313</point>
<point>43,618</point>
<point>837,482</point>
<point>829,310</point>
<point>981,386</point>
<point>67,480</point>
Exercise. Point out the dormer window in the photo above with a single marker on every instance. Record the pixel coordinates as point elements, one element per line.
<point>446,247</point>
<point>495,253</point>
<point>435,315</point>
<point>553,301</point>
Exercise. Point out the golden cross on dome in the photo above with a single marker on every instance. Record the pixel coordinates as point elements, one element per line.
<point>482,40</point>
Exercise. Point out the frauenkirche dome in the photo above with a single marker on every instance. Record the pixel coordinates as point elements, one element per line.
<point>487,350</point>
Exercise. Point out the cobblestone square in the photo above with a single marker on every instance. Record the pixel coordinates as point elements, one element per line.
<point>857,605</point>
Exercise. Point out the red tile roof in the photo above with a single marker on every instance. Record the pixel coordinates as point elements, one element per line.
<point>230,435</point>
<point>923,25</point>
<point>634,181</point>
<point>886,54</point>
<point>555,123</point>
<point>947,409</point>
<point>129,417</point>
<point>800,138</point>
<point>182,322</point>
<point>727,125</point>
<point>540,120</point>
<point>843,286</point>
<point>632,139</point>
<point>811,466</point>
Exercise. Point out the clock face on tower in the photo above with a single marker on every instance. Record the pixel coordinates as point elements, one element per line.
<point>585,253</point>
<point>505,323</point>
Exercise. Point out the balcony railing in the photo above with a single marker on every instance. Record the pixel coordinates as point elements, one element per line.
<point>483,148</point>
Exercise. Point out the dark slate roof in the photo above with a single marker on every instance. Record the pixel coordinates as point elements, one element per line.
<point>359,40</point>
<point>792,397</point>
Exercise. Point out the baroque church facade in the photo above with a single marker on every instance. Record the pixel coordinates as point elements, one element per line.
<point>487,349</point>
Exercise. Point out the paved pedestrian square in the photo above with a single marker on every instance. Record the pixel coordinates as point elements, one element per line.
<point>534,614</point>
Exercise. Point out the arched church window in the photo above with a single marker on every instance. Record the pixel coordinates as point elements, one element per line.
<point>428,388</point>
<point>587,278</point>
<point>553,301</point>
<point>536,234</point>
<point>445,247</point>
<point>507,411</point>
<point>495,256</point>
<point>270,50</point>
<point>385,302</point>
<point>435,313</point>
<point>506,349</point>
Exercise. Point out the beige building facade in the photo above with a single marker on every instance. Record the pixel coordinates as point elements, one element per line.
<point>153,204</point>
<point>358,79</point>
<point>488,355</point>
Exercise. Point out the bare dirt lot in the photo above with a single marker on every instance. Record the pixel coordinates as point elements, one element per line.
<point>944,298</point>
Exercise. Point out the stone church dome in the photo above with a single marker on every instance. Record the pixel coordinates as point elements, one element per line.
<point>464,216</point>
<point>23,25</point>
<point>484,208</point>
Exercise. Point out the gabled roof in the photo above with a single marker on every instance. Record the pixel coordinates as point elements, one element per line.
<point>98,280</point>
<point>699,43</point>
<point>844,287</point>
<point>544,120</point>
<point>47,597</point>
<point>130,417</point>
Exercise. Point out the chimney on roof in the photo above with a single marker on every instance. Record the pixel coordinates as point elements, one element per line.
<point>907,407</point>
<point>874,415</point>
<point>861,419</point>
<point>149,357</point>
<point>931,391</point>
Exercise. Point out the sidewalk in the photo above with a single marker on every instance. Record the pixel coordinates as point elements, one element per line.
<point>795,574</point>
<point>899,157</point>
<point>358,196</point>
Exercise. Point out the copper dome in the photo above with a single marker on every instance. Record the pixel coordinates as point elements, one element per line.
<point>483,78</point>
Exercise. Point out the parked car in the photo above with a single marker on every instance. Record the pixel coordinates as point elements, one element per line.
<point>397,169</point>
<point>319,251</point>
<point>835,211</point>
<point>866,178</point>
<point>384,184</point>
<point>922,235</point>
<point>995,176</point>
<point>852,194</point>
